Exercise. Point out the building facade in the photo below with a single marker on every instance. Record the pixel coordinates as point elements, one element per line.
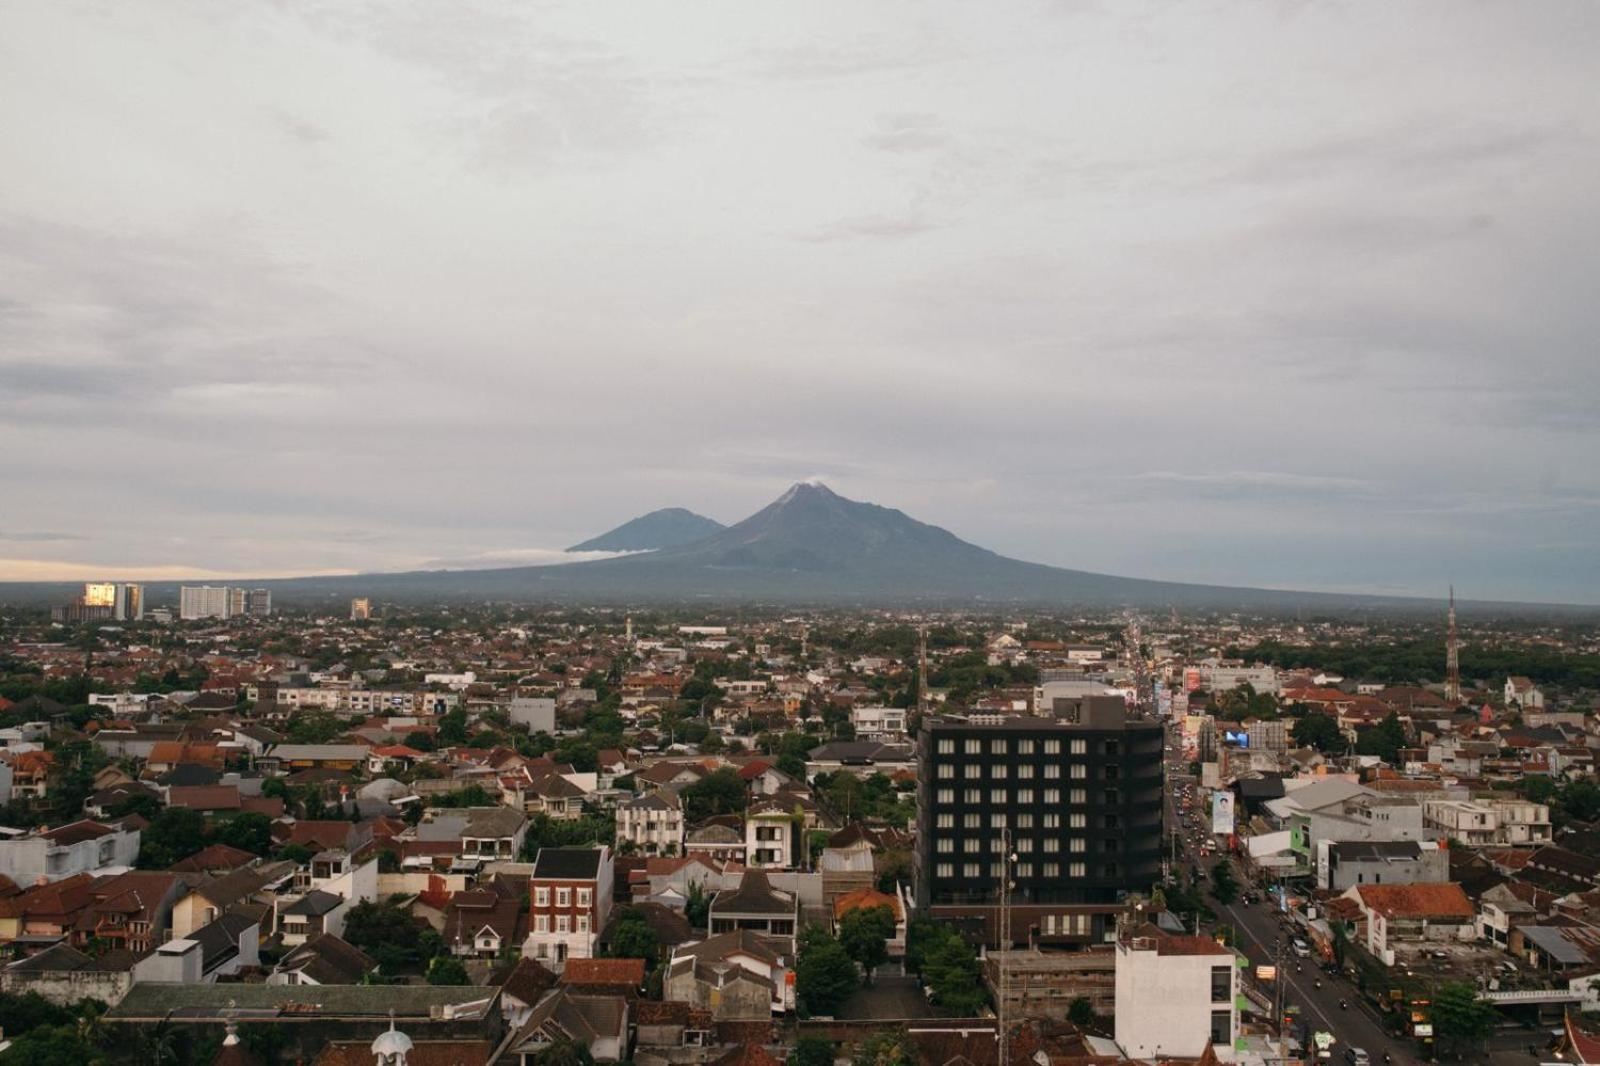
<point>1078,795</point>
<point>570,899</point>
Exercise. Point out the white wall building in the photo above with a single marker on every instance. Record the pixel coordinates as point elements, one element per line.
<point>879,723</point>
<point>79,848</point>
<point>203,601</point>
<point>1175,995</point>
<point>537,713</point>
<point>653,823</point>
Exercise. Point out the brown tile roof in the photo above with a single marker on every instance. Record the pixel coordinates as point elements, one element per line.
<point>204,797</point>
<point>627,973</point>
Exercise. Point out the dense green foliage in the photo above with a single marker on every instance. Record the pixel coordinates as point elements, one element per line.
<point>1423,660</point>
<point>1318,730</point>
<point>948,966</point>
<point>825,975</point>
<point>633,938</point>
<point>719,792</point>
<point>864,933</point>
<point>1460,1019</point>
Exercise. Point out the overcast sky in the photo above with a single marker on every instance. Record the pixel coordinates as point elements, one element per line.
<point>1297,295</point>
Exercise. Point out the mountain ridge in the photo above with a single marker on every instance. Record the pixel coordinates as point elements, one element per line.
<point>665,527</point>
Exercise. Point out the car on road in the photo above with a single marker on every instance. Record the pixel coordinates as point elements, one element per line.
<point>1301,948</point>
<point>1358,1056</point>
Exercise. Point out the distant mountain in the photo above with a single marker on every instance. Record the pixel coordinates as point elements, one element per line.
<point>812,546</point>
<point>666,528</point>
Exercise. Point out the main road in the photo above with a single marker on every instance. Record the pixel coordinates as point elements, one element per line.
<point>1326,1002</point>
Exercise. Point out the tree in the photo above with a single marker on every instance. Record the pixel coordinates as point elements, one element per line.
<point>886,1047</point>
<point>1460,1019</point>
<point>1081,1012</point>
<point>697,906</point>
<point>275,786</point>
<point>720,792</point>
<point>384,931</point>
<point>1384,739</point>
<point>825,975</point>
<point>1580,799</point>
<point>1320,731</point>
<point>1223,885</point>
<point>1538,788</point>
<point>948,967</point>
<point>446,970</point>
<point>633,938</point>
<point>52,1045</point>
<point>175,833</point>
<point>864,933</point>
<point>249,831</point>
<point>812,1051</point>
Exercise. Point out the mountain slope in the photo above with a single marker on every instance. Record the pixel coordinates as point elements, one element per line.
<point>811,546</point>
<point>666,528</point>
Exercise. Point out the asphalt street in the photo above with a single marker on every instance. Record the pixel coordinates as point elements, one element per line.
<point>1259,931</point>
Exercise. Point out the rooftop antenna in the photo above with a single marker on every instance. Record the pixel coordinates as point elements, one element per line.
<point>922,669</point>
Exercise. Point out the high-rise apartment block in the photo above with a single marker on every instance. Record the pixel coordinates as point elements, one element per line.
<point>220,601</point>
<point>126,601</point>
<point>1077,793</point>
<point>203,601</point>
<point>360,609</point>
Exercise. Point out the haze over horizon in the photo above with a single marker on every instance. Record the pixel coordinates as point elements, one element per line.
<point>1280,296</point>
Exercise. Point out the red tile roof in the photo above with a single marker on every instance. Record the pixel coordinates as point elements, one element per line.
<point>1417,901</point>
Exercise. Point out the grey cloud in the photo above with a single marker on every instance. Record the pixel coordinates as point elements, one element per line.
<point>1221,294</point>
<point>37,537</point>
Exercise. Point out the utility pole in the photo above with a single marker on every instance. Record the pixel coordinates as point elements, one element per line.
<point>1002,964</point>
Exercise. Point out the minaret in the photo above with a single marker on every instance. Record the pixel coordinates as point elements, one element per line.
<point>1452,658</point>
<point>627,632</point>
<point>922,668</point>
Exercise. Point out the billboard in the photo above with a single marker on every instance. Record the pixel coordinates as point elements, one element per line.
<point>1191,679</point>
<point>1222,812</point>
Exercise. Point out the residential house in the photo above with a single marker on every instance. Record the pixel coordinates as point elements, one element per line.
<point>771,835</point>
<point>62,852</point>
<point>703,975</point>
<point>207,900</point>
<point>651,824</point>
<point>132,910</point>
<point>1521,692</point>
<point>570,890</point>
<point>717,842</point>
<point>598,1023</point>
<point>323,959</point>
<point>1400,917</point>
<point>485,920</point>
<point>755,906</point>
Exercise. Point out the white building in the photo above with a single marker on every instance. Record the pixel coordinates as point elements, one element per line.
<point>203,601</point>
<point>653,823</point>
<point>1221,678</point>
<point>879,723</point>
<point>1521,692</point>
<point>769,835</point>
<point>456,682</point>
<point>79,848</point>
<point>1496,821</point>
<point>537,713</point>
<point>1175,995</point>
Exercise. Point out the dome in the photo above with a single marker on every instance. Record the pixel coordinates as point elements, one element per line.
<point>390,1044</point>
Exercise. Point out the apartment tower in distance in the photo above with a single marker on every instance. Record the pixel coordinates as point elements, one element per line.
<point>1077,789</point>
<point>126,601</point>
<point>202,601</point>
<point>360,609</point>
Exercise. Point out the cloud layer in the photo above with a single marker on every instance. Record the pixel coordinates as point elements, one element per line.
<point>1295,295</point>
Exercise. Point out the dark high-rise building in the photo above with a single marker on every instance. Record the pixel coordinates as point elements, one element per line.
<point>1079,790</point>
